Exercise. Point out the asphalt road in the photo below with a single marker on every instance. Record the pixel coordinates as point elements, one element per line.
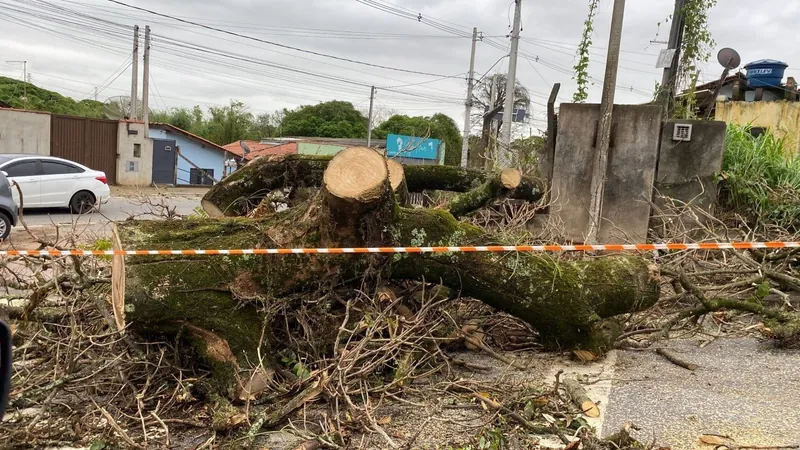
<point>117,208</point>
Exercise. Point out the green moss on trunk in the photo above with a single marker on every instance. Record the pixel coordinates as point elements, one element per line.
<point>243,190</point>
<point>564,301</point>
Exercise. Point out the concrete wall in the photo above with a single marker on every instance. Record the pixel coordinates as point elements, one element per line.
<point>202,155</point>
<point>133,170</point>
<point>24,132</point>
<point>782,118</point>
<point>629,179</point>
<point>310,148</point>
<point>686,170</point>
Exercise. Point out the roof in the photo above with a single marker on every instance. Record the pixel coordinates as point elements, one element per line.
<point>349,142</point>
<point>194,137</point>
<point>257,148</point>
<point>711,85</point>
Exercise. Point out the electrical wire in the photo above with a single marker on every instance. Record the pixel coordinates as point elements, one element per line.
<point>311,52</point>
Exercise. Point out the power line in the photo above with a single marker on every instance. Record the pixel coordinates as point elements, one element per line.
<point>311,52</point>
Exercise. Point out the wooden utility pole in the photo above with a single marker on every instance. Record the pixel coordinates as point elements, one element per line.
<point>669,79</point>
<point>135,75</point>
<point>604,127</point>
<point>146,83</point>
<point>468,103</point>
<point>511,81</point>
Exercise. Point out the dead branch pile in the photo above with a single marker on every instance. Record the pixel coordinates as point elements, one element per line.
<point>337,349</point>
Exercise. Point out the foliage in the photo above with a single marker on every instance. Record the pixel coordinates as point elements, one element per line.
<point>582,66</point>
<point>334,119</point>
<point>761,179</point>
<point>437,126</point>
<point>525,153</point>
<point>22,95</point>
<point>695,50</point>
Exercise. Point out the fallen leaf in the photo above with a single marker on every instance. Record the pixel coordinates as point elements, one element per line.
<point>541,401</point>
<point>257,383</point>
<point>235,420</point>
<point>713,439</point>
<point>549,418</point>
<point>385,420</point>
<point>217,348</point>
<point>585,355</point>
<point>573,445</point>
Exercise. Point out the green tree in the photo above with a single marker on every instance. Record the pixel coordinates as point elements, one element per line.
<point>266,125</point>
<point>439,126</point>
<point>228,123</point>
<point>22,95</point>
<point>334,119</point>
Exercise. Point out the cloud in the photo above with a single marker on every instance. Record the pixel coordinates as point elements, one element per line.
<point>76,58</point>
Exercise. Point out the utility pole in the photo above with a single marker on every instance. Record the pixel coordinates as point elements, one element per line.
<point>492,156</point>
<point>135,75</point>
<point>369,120</point>
<point>468,103</point>
<point>669,79</point>
<point>146,82</point>
<point>511,81</point>
<point>604,127</point>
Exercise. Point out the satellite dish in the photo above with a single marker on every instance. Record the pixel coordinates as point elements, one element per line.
<point>245,148</point>
<point>729,58</point>
<point>119,107</point>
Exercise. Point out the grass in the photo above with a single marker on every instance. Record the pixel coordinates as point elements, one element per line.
<point>761,178</point>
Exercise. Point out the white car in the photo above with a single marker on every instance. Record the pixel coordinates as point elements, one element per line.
<point>49,182</point>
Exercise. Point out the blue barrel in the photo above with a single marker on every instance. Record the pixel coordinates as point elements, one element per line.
<point>765,73</point>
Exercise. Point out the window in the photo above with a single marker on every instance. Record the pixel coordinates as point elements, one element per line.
<point>58,168</point>
<point>201,176</point>
<point>22,169</point>
<point>137,150</point>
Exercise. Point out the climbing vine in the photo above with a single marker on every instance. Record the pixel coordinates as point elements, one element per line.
<point>695,50</point>
<point>582,66</point>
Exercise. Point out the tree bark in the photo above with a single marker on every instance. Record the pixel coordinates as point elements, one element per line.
<point>570,303</point>
<point>242,192</point>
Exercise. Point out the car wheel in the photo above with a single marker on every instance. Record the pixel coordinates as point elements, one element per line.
<point>5,226</point>
<point>82,202</point>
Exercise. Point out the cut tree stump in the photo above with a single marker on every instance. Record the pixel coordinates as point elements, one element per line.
<point>241,192</point>
<point>572,304</point>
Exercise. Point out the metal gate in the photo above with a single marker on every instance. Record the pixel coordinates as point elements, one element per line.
<point>164,161</point>
<point>91,142</point>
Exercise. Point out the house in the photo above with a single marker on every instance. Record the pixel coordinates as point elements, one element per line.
<point>262,148</point>
<point>759,98</point>
<point>182,158</point>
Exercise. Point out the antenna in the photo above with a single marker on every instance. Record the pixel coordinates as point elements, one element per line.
<point>245,148</point>
<point>729,58</point>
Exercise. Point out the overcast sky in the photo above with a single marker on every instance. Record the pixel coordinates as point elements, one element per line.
<point>74,58</point>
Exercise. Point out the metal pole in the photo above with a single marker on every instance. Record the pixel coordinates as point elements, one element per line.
<point>146,83</point>
<point>468,103</point>
<point>511,82</point>
<point>135,75</point>
<point>604,128</point>
<point>369,120</point>
<point>668,80</point>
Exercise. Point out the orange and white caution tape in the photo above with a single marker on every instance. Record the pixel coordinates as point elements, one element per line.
<point>463,249</point>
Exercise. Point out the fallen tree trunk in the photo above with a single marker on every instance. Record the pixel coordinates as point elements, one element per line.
<point>570,303</point>
<point>239,193</point>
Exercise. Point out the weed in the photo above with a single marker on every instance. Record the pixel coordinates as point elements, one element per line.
<point>761,179</point>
